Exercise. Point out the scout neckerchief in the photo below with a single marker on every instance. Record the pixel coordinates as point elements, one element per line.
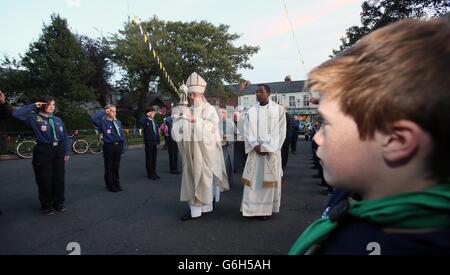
<point>153,125</point>
<point>51,121</point>
<point>115,123</point>
<point>421,210</point>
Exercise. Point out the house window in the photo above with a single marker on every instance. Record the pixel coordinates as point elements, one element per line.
<point>292,101</point>
<point>245,102</point>
<point>306,101</point>
<point>274,98</point>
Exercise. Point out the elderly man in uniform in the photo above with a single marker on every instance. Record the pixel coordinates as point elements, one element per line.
<point>113,148</point>
<point>151,141</point>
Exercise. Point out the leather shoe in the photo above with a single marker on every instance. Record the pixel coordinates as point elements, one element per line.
<point>112,189</point>
<point>326,193</point>
<point>187,217</point>
<point>154,177</point>
<point>60,208</point>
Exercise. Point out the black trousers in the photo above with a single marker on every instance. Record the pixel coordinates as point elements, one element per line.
<point>293,140</point>
<point>151,150</point>
<point>285,153</point>
<point>49,170</point>
<point>173,153</point>
<point>240,157</point>
<point>112,153</point>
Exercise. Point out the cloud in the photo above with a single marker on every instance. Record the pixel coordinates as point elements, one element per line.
<point>73,3</point>
<point>280,25</point>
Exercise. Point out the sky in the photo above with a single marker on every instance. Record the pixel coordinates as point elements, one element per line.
<point>318,25</point>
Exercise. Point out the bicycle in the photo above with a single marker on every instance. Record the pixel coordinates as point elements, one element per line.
<point>24,147</point>
<point>79,146</point>
<point>96,145</point>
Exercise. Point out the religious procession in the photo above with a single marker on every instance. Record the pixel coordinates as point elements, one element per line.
<point>189,158</point>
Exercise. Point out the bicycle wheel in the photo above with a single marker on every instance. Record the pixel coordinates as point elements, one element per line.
<point>25,149</point>
<point>96,147</point>
<point>80,146</point>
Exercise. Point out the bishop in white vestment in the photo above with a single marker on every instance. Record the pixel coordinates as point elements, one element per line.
<point>204,174</point>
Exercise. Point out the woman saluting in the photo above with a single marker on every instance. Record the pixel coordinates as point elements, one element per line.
<point>50,154</point>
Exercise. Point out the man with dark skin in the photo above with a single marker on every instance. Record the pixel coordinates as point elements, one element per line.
<point>262,95</point>
<point>264,136</point>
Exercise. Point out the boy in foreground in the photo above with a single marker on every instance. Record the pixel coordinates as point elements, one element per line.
<point>385,106</point>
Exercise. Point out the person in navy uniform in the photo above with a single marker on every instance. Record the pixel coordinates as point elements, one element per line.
<point>151,140</point>
<point>171,146</point>
<point>113,147</point>
<point>286,143</point>
<point>293,138</point>
<point>6,111</point>
<point>50,154</point>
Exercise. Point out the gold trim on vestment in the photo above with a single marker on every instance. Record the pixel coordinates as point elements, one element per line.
<point>246,182</point>
<point>270,184</point>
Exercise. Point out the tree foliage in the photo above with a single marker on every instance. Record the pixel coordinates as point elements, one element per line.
<point>183,47</point>
<point>99,53</point>
<point>56,65</point>
<point>379,13</point>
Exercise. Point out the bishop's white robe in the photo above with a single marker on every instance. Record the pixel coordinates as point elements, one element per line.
<point>265,126</point>
<point>204,173</point>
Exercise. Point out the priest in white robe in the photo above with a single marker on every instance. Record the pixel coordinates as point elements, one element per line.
<point>197,134</point>
<point>265,132</point>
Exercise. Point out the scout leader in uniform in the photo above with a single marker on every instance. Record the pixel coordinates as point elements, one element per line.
<point>113,147</point>
<point>151,141</point>
<point>50,154</point>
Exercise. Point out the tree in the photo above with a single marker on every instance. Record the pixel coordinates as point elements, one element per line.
<point>56,65</point>
<point>183,49</point>
<point>99,53</point>
<point>132,55</point>
<point>12,78</point>
<point>379,13</point>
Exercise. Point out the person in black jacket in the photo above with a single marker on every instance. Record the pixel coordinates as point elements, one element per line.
<point>171,146</point>
<point>5,113</point>
<point>285,148</point>
<point>152,141</point>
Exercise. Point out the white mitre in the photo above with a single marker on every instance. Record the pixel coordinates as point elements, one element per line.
<point>196,84</point>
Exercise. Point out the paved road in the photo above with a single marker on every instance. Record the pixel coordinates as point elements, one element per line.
<point>144,219</point>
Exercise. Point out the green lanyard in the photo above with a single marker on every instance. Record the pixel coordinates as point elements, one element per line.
<point>116,125</point>
<point>52,126</point>
<point>154,127</point>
